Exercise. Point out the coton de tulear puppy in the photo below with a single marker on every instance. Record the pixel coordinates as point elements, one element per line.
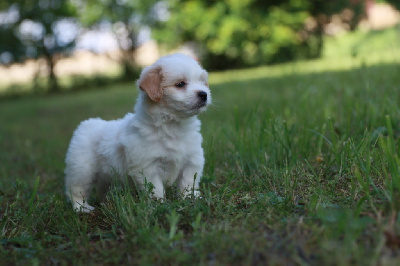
<point>160,143</point>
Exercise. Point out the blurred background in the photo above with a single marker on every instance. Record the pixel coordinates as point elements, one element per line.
<point>58,45</point>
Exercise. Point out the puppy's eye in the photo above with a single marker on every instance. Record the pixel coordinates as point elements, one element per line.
<point>180,84</point>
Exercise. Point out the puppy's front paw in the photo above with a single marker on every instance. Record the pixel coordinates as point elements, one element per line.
<point>188,193</point>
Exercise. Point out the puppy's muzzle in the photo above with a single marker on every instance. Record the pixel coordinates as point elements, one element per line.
<point>202,96</point>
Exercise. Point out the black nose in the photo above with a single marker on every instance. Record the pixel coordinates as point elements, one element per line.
<point>202,95</point>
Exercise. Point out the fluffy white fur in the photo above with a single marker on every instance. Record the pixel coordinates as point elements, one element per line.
<point>160,143</point>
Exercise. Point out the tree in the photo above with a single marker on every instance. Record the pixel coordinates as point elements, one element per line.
<point>11,47</point>
<point>322,10</point>
<point>127,18</point>
<point>237,33</point>
<point>37,32</point>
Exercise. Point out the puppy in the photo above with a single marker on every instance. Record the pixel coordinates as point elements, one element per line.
<point>160,143</point>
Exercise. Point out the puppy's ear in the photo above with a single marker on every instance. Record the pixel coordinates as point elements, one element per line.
<point>150,82</point>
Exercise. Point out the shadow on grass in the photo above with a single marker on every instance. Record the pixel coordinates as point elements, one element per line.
<point>76,83</point>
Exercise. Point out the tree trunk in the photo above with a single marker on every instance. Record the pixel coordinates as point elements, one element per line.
<point>52,78</point>
<point>129,65</point>
<point>127,60</point>
<point>53,81</point>
<point>319,33</point>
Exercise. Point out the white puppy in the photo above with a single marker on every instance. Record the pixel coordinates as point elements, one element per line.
<point>160,143</point>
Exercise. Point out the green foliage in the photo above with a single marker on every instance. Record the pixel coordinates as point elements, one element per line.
<point>127,18</point>
<point>33,32</point>
<point>244,33</point>
<point>321,7</point>
<point>395,3</point>
<point>42,37</point>
<point>131,12</point>
<point>11,47</point>
<point>233,33</point>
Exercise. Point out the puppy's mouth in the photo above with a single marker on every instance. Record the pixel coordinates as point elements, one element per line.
<point>198,107</point>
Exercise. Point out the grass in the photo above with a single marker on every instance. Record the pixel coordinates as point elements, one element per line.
<point>302,167</point>
<point>374,43</point>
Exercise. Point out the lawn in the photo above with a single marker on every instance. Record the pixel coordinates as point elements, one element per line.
<point>302,167</point>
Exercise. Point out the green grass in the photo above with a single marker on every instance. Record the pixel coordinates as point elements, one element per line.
<point>375,43</point>
<point>302,167</point>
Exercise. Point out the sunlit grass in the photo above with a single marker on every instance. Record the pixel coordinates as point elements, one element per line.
<point>365,44</point>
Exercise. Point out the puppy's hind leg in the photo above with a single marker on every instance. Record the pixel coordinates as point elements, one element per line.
<point>78,190</point>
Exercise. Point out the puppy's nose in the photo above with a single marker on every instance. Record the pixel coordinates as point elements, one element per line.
<point>202,95</point>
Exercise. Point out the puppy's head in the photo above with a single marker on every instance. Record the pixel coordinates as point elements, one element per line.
<point>178,83</point>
